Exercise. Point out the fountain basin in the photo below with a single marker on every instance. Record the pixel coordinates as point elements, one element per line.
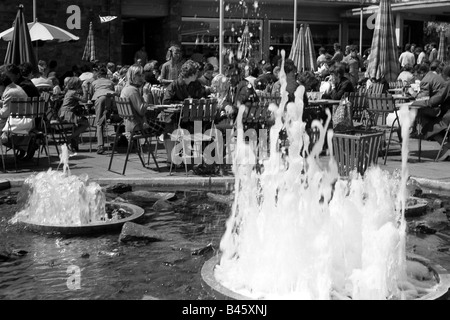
<point>441,276</point>
<point>91,228</point>
<point>415,207</point>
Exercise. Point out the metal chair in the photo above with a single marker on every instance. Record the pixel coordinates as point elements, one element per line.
<point>359,108</point>
<point>31,113</point>
<point>191,111</point>
<point>443,142</point>
<point>375,88</point>
<point>127,113</point>
<point>379,107</point>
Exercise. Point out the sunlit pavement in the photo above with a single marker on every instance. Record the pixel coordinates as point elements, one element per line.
<point>95,166</point>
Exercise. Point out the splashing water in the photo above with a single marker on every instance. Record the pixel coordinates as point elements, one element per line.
<point>58,198</point>
<point>298,231</point>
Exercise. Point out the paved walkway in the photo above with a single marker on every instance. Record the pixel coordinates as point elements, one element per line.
<point>427,172</point>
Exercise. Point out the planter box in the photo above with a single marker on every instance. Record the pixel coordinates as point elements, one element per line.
<point>356,149</point>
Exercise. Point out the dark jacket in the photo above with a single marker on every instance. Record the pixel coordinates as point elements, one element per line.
<point>337,93</point>
<point>243,93</point>
<point>176,92</point>
<point>196,90</point>
<point>435,115</point>
<point>28,86</point>
<point>264,80</point>
<point>430,84</point>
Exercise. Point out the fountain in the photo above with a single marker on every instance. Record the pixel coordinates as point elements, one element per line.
<point>299,231</point>
<point>56,201</point>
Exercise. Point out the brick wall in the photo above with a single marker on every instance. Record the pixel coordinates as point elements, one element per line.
<point>54,12</point>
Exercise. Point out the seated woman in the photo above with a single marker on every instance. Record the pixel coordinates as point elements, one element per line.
<point>406,74</point>
<point>339,83</point>
<point>9,90</point>
<point>72,112</point>
<point>131,91</point>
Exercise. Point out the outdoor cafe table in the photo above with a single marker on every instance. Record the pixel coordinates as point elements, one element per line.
<point>401,97</point>
<point>323,102</point>
<point>396,90</point>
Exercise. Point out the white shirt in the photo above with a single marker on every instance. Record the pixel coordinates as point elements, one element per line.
<point>420,57</point>
<point>407,57</point>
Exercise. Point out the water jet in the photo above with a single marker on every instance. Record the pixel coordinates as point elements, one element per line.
<point>299,231</point>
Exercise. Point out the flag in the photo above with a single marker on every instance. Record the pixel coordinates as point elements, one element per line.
<point>107,18</point>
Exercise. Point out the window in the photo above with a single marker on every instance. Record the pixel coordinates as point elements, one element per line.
<point>202,35</point>
<point>353,36</point>
<point>281,35</point>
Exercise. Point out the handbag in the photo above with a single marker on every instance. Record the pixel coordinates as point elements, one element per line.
<point>325,86</point>
<point>342,115</point>
<point>19,125</point>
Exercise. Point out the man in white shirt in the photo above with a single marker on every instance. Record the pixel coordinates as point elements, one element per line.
<point>420,55</point>
<point>407,57</point>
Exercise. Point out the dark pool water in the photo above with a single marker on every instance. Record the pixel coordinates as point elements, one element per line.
<point>109,269</point>
<point>43,264</point>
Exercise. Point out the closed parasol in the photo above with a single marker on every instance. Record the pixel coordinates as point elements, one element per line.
<point>20,48</point>
<point>89,49</point>
<point>383,61</point>
<point>441,50</point>
<point>297,53</point>
<point>245,46</point>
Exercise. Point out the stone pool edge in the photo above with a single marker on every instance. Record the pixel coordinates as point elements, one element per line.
<point>227,182</point>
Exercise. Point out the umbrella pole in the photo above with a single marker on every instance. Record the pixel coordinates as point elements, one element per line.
<point>361,29</point>
<point>220,36</point>
<point>295,20</point>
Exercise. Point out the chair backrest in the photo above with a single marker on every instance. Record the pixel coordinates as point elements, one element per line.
<point>381,104</point>
<point>124,108</point>
<point>357,100</point>
<point>158,94</point>
<point>251,113</point>
<point>266,98</point>
<point>396,84</point>
<point>375,88</point>
<point>197,110</point>
<point>210,110</point>
<point>27,107</point>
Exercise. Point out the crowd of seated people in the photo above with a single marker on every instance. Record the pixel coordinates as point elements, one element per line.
<point>94,83</point>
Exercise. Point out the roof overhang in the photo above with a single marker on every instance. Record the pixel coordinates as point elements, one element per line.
<point>421,10</point>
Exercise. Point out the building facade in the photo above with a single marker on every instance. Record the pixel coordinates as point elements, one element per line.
<point>156,24</point>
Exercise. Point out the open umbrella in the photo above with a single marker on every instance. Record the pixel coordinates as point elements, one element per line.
<point>20,49</point>
<point>89,49</point>
<point>441,50</point>
<point>383,61</point>
<point>310,59</point>
<point>297,54</point>
<point>245,46</point>
<point>40,31</point>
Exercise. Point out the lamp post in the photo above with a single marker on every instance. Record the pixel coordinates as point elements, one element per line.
<point>295,21</point>
<point>220,36</point>
<point>361,27</point>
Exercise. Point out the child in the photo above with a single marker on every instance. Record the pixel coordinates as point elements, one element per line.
<point>56,88</point>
